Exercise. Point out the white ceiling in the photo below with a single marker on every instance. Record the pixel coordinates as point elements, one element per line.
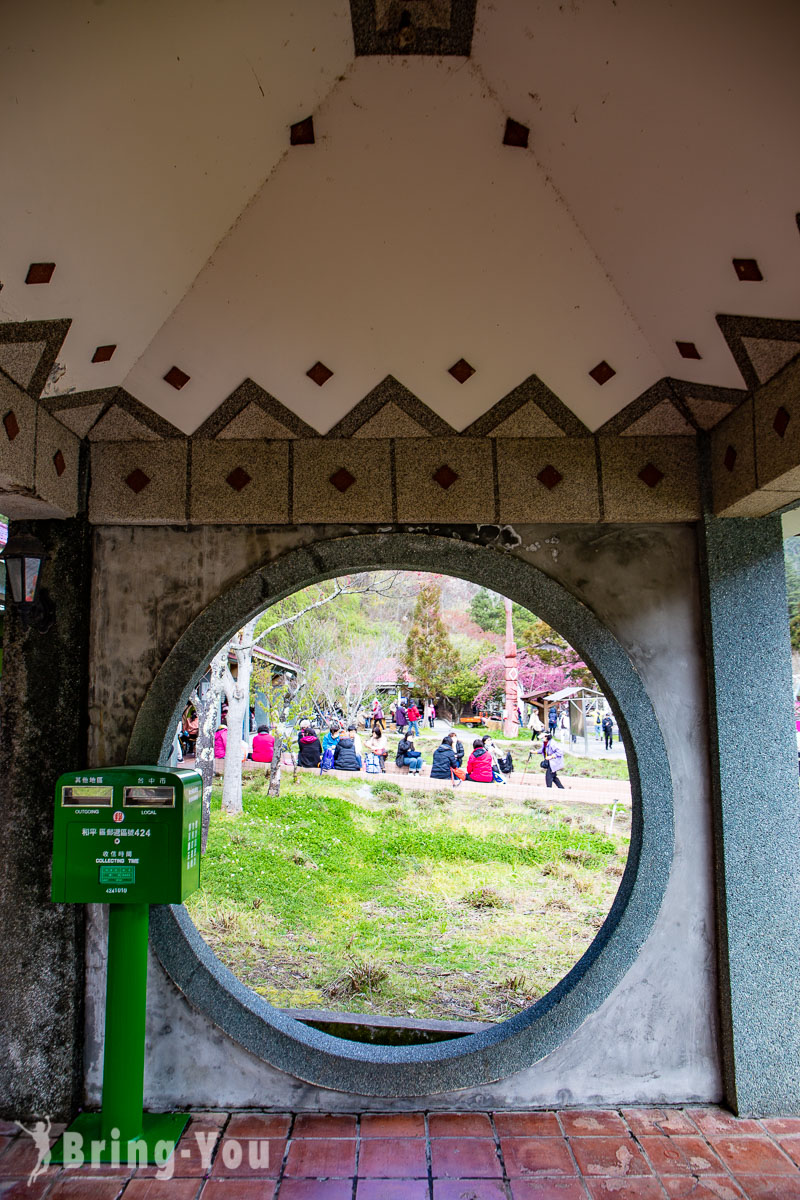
<point>147,154</point>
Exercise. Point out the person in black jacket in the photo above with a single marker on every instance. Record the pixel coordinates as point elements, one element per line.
<point>444,760</point>
<point>345,757</point>
<point>408,756</point>
<point>458,746</point>
<point>310,750</point>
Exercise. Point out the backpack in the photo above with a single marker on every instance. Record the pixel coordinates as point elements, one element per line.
<point>327,759</point>
<point>372,764</point>
<point>506,764</point>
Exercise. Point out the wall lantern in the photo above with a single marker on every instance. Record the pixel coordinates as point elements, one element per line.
<point>24,557</point>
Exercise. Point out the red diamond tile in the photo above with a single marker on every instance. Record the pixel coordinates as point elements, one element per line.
<point>469,1189</point>
<point>592,1122</point>
<point>459,1125</point>
<point>398,1125</point>
<point>791,1145</point>
<point>59,463</point>
<point>461,371</point>
<point>549,477</point>
<point>516,134</point>
<point>752,1156</point>
<point>681,1155</point>
<point>342,479</point>
<point>391,1189</point>
<point>40,272</point>
<point>103,353</point>
<point>527,1157</point>
<point>18,1189</point>
<point>770,1187</point>
<point>237,1189</point>
<point>302,132</point>
<point>390,1158</point>
<point>527,1124</point>
<point>624,1189</point>
<point>730,458</point>
<point>658,1120</point>
<point>249,1158</point>
<point>465,1158</point>
<point>329,1125</point>
<point>137,481</point>
<point>445,476</point>
<point>547,1189</point>
<point>319,373</point>
<point>608,1156</point>
<point>602,373</point>
<point>711,1187</point>
<point>162,1189</point>
<point>204,1116</point>
<point>313,1189</point>
<point>81,1187</point>
<point>747,270</point>
<point>238,479</point>
<point>11,424</point>
<point>716,1122</point>
<point>20,1159</point>
<point>318,1157</point>
<point>688,350</point>
<point>176,378</point>
<point>780,1126</point>
<point>651,475</point>
<point>253,1125</point>
<point>781,422</point>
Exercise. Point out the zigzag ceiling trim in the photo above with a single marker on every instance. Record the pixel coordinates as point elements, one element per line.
<point>51,334</point>
<point>246,395</point>
<point>530,392</point>
<point>391,392</point>
<point>743,335</point>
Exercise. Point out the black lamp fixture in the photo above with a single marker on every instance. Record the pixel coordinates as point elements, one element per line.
<point>24,557</point>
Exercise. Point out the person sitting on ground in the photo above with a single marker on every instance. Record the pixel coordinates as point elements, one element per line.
<point>310,751</point>
<point>344,756</point>
<point>479,764</point>
<point>378,744</point>
<point>444,760</point>
<point>408,756</point>
<point>304,724</point>
<point>220,745</point>
<point>189,727</point>
<point>554,758</point>
<point>263,745</point>
<point>331,737</point>
<point>458,746</point>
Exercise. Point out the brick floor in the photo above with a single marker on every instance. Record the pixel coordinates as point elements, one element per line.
<point>592,1154</point>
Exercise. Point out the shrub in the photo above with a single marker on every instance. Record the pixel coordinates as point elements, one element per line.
<point>363,976</point>
<point>485,897</point>
<point>386,788</point>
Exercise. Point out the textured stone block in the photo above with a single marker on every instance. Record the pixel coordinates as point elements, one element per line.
<point>17,437</point>
<point>426,489</point>
<point>57,462</point>
<point>362,472</point>
<point>528,471</point>
<point>650,479</point>
<point>776,412</point>
<point>239,482</point>
<point>141,483</point>
<point>733,459</point>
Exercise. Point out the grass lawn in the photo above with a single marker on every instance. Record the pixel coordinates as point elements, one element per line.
<point>339,896</point>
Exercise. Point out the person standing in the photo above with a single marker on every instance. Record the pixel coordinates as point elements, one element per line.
<point>432,715</point>
<point>554,757</point>
<point>413,715</point>
<point>400,718</point>
<point>552,720</point>
<point>535,725</point>
<point>608,731</point>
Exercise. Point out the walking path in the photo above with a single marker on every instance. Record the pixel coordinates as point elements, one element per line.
<point>573,1154</point>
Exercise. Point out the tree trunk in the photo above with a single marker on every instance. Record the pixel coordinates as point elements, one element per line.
<point>274,787</point>
<point>204,755</point>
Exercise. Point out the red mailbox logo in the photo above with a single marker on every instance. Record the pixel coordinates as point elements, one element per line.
<point>119,816</point>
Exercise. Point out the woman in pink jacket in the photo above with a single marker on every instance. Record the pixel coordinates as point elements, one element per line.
<point>479,766</point>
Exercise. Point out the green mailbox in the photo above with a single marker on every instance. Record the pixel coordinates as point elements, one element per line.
<point>128,837</point>
<point>124,835</point>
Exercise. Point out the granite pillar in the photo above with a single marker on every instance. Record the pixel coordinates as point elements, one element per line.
<point>43,731</point>
<point>756,811</point>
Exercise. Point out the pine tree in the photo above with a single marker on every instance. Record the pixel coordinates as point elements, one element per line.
<point>429,654</point>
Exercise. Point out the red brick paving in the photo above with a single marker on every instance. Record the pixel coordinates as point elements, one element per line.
<point>592,1154</point>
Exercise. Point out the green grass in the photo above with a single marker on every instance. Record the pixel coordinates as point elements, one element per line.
<point>330,897</point>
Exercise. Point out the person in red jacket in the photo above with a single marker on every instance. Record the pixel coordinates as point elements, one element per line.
<point>413,714</point>
<point>479,766</point>
<point>263,745</point>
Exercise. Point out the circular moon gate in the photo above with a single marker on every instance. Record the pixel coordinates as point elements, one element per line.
<point>495,1053</point>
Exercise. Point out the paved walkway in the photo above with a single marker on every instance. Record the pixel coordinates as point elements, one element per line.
<point>599,1154</point>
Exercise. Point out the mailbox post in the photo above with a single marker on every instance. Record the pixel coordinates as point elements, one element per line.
<point>128,837</point>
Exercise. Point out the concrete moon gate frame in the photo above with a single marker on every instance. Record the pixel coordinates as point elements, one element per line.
<point>331,1062</point>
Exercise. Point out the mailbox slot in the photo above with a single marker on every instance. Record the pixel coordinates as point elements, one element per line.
<point>148,797</point>
<point>87,797</point>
